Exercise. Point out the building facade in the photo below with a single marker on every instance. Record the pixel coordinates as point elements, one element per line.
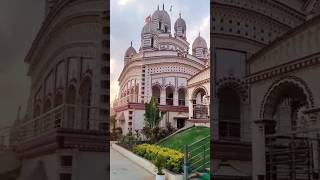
<point>64,130</point>
<point>262,86</point>
<point>161,68</point>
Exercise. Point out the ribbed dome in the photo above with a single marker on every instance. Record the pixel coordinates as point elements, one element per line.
<point>162,16</point>
<point>199,42</point>
<point>180,23</point>
<point>147,28</point>
<point>130,51</point>
<point>165,18</point>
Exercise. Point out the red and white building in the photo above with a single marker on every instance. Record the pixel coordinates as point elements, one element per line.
<point>161,68</point>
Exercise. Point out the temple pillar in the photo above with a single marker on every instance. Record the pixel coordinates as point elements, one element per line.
<point>163,97</point>
<point>175,97</point>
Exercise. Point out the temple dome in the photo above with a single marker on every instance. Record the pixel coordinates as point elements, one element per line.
<point>199,42</point>
<point>130,51</point>
<point>180,23</point>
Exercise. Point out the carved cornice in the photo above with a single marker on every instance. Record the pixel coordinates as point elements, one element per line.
<point>283,69</point>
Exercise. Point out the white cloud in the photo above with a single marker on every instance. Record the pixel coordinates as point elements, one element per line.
<point>124,2</point>
<point>204,29</point>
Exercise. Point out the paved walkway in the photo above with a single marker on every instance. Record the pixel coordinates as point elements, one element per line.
<point>124,169</point>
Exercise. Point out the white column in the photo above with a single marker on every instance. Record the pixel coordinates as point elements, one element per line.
<point>258,149</point>
<point>190,108</point>
<point>175,97</point>
<point>163,97</point>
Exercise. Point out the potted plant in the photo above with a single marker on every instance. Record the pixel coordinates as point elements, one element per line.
<point>160,163</point>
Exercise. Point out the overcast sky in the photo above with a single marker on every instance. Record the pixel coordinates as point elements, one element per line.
<point>128,19</point>
<point>20,20</point>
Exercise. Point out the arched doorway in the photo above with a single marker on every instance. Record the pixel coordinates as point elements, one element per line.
<point>288,142</point>
<point>169,95</point>
<point>283,105</point>
<point>85,101</point>
<point>200,108</point>
<point>156,92</point>
<point>229,114</point>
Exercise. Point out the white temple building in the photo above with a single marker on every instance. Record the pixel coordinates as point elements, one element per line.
<point>164,68</point>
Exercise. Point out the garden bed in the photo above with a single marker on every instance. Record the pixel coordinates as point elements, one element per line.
<point>146,164</point>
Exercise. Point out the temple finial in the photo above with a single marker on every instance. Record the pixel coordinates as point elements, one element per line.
<point>180,14</point>
<point>131,43</point>
<point>163,6</point>
<point>199,33</point>
<point>158,7</point>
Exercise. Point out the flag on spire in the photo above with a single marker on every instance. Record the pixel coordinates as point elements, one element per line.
<point>148,19</point>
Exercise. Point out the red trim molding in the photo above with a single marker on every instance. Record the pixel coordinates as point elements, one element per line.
<point>140,106</point>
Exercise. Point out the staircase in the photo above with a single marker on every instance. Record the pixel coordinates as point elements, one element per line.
<point>197,159</point>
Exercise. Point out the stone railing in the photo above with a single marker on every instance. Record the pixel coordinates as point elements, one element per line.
<point>73,117</point>
<point>133,98</point>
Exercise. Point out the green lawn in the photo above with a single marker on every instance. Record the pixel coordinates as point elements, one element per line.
<point>186,137</point>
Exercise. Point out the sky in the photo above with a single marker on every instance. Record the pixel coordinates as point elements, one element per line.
<point>128,19</point>
<point>20,21</point>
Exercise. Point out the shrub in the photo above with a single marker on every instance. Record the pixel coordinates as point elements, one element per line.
<point>173,159</point>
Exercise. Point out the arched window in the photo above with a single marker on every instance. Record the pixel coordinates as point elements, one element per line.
<point>71,106</point>
<point>229,114</point>
<point>58,100</point>
<point>182,97</point>
<point>156,92</point>
<point>151,41</point>
<point>85,101</point>
<point>47,105</point>
<point>169,95</point>
<point>37,110</point>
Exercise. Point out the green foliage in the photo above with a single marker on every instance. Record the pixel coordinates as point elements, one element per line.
<point>157,133</point>
<point>161,157</point>
<point>152,116</point>
<point>186,137</point>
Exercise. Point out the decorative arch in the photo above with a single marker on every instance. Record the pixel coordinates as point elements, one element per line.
<point>236,84</point>
<point>288,85</point>
<point>197,89</point>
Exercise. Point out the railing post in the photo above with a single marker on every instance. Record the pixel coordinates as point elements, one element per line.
<point>185,164</point>
<point>204,155</point>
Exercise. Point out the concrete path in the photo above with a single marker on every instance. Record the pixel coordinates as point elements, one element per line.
<point>124,169</point>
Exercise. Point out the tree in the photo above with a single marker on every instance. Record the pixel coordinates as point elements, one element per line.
<point>152,116</point>
<point>113,122</point>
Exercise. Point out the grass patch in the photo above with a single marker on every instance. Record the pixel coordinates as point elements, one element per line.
<point>199,153</point>
<point>185,137</point>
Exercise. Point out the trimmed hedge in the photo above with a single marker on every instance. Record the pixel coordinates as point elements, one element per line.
<point>174,158</point>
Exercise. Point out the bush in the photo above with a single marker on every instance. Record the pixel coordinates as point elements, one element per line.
<point>173,158</point>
